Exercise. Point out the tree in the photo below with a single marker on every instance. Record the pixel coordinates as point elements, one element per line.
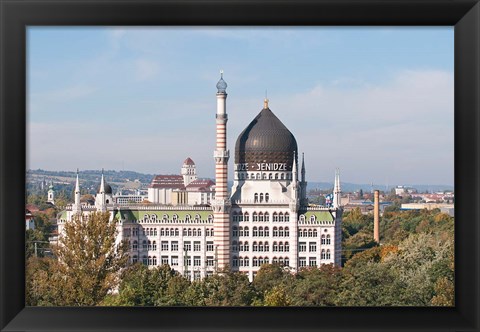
<point>270,276</point>
<point>317,286</point>
<point>88,260</point>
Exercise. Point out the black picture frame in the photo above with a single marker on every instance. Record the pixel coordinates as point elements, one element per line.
<point>16,15</point>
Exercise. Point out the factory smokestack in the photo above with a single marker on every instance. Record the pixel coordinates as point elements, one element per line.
<point>376,216</point>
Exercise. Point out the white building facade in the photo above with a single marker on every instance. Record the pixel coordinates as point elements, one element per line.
<point>198,229</point>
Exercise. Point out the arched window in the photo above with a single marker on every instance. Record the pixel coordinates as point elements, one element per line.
<point>323,254</point>
<point>144,260</point>
<point>275,260</point>
<point>275,231</point>
<point>240,231</point>
<point>260,246</point>
<point>144,244</point>
<point>175,217</point>
<point>282,176</point>
<point>255,216</point>
<point>315,233</point>
<point>267,231</point>
<point>310,233</point>
<point>149,260</point>
<point>154,245</point>
<point>275,246</point>
<point>165,217</point>
<point>255,198</point>
<point>235,216</point>
<point>264,176</point>
<point>189,232</point>
<point>328,239</point>
<point>135,245</point>
<point>280,217</point>
<point>287,231</point>
<point>154,260</point>
<point>245,231</point>
<point>266,216</point>
<point>280,232</point>
<point>162,231</point>
<point>149,245</point>
<point>235,246</point>
<point>255,231</point>
<point>194,232</point>
<point>260,217</point>
<point>269,177</point>
<point>287,217</point>
<point>312,218</point>
<point>255,261</point>
<point>199,232</point>
<point>266,261</point>
<point>328,253</point>
<point>246,247</point>
<point>302,217</point>
<point>276,176</point>
<point>286,261</point>
<point>187,217</point>
<point>275,216</point>
<point>267,197</point>
<point>287,247</point>
<point>167,232</point>
<point>281,247</point>
<point>255,246</point>
<point>260,231</point>
<point>235,261</point>
<point>246,217</point>
<point>267,247</point>
<point>155,232</point>
<point>235,231</point>
<point>280,261</point>
<point>261,198</point>
<point>134,259</point>
<point>176,232</point>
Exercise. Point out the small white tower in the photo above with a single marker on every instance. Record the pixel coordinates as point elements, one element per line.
<point>189,171</point>
<point>337,191</point>
<point>77,207</point>
<point>100,199</point>
<point>51,194</point>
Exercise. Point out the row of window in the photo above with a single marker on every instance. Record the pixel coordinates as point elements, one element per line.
<point>152,260</point>
<point>260,246</point>
<point>167,232</point>
<point>260,216</point>
<point>260,231</point>
<point>173,246</point>
<point>312,261</point>
<point>188,217</point>
<point>264,176</point>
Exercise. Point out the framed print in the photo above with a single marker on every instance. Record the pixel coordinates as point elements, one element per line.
<point>212,223</point>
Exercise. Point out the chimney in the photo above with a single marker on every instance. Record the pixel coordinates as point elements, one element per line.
<point>376,216</point>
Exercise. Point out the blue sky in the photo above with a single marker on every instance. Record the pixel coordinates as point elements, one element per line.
<point>376,102</point>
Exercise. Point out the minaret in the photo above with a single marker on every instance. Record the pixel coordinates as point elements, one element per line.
<point>76,207</point>
<point>303,185</point>
<point>221,204</point>
<point>294,171</point>
<point>303,167</point>
<point>337,191</point>
<point>51,194</point>
<point>100,199</point>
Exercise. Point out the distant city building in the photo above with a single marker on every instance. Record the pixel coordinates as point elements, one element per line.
<point>197,227</point>
<point>29,221</point>
<point>51,194</point>
<point>443,207</point>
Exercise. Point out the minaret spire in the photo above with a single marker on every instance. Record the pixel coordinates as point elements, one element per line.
<point>337,191</point>
<point>76,208</point>
<point>294,170</point>
<point>221,205</point>
<point>303,167</point>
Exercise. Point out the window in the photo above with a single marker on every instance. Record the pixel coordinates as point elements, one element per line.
<point>261,198</point>
<point>255,198</point>
<point>260,217</point>
<point>287,247</point>
<point>315,234</point>
<point>266,195</point>
<point>255,246</point>
<point>275,231</point>
<point>261,247</point>
<point>164,245</point>
<point>275,216</point>
<point>144,260</point>
<point>209,246</point>
<point>281,247</point>
<point>144,245</point>
<point>174,245</point>
<point>280,217</point>
<point>245,231</point>
<point>246,247</point>
<point>196,246</point>
<point>267,247</point>
<point>246,261</point>
<point>162,231</point>
<point>154,245</point>
<point>312,219</point>
<point>154,232</point>
<point>189,232</point>
<point>196,261</point>
<point>275,246</point>
<point>187,246</point>
<point>287,261</point>
<point>323,239</point>
<point>134,259</point>
<point>328,253</point>
<point>149,260</point>
<point>323,254</point>
<point>167,232</point>
<point>255,231</point>
<point>174,260</point>
<point>328,239</point>
<point>287,231</point>
<point>196,275</point>
<point>235,231</point>
<point>235,246</point>
<point>176,232</point>
<point>149,245</point>
<point>135,245</point>
<point>267,216</point>
<point>267,232</point>
<point>188,275</point>
<point>188,261</point>
<point>164,260</point>
<point>280,232</point>
<point>302,247</point>
<point>235,261</point>
<point>255,261</point>
<point>287,217</point>
<point>194,232</point>
<point>312,261</point>
<point>310,233</point>
<point>302,261</point>
<point>210,261</point>
<point>312,247</point>
<point>255,216</point>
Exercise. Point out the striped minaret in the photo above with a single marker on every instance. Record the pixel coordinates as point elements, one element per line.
<point>221,204</point>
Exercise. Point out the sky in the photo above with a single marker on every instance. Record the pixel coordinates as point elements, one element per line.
<point>376,102</point>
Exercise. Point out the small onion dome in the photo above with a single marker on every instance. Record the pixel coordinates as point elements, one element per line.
<point>108,188</point>
<point>221,85</point>
<point>266,140</point>
<point>189,162</point>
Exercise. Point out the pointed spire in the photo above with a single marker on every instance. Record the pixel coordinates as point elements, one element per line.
<point>102,184</point>
<point>294,169</point>
<point>303,167</point>
<point>76,208</point>
<point>337,190</point>
<point>77,184</point>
